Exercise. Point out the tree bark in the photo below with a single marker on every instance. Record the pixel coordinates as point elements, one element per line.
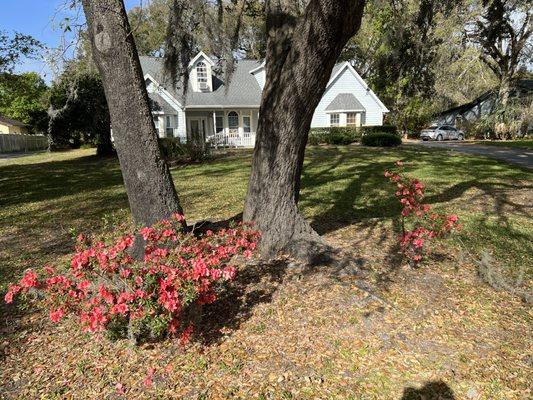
<point>149,186</point>
<point>504,91</point>
<point>301,53</point>
<point>104,146</point>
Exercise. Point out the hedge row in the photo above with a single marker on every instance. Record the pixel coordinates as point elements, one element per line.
<point>173,149</point>
<point>341,135</point>
<point>365,130</point>
<point>334,135</point>
<point>381,139</point>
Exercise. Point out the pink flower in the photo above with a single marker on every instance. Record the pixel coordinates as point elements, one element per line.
<point>148,380</point>
<point>168,232</point>
<point>186,335</point>
<point>229,272</point>
<point>12,290</point>
<point>199,268</point>
<point>453,218</point>
<point>120,388</point>
<point>215,274</point>
<point>125,297</point>
<point>84,285</point>
<point>418,242</point>
<point>106,295</point>
<point>125,272</point>
<point>29,279</point>
<point>146,232</point>
<point>96,319</point>
<point>56,315</point>
<point>120,309</point>
<point>399,163</point>
<point>178,217</point>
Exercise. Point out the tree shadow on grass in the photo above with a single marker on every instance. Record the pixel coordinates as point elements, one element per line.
<point>50,180</point>
<point>354,188</point>
<point>254,285</point>
<point>434,390</point>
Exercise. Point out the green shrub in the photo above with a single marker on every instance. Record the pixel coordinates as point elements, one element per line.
<point>173,149</point>
<point>366,130</point>
<point>381,139</point>
<point>336,135</point>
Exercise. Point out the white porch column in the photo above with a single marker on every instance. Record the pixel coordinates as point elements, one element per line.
<point>342,119</point>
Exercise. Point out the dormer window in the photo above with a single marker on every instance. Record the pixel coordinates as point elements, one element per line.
<point>201,74</point>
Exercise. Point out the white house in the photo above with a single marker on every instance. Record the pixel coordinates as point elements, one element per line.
<point>211,111</point>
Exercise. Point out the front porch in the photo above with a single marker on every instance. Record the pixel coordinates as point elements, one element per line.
<point>233,127</point>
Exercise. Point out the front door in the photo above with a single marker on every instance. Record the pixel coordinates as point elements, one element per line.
<point>197,130</point>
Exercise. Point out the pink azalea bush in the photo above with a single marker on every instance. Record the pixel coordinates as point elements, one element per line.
<point>108,290</point>
<point>420,226</point>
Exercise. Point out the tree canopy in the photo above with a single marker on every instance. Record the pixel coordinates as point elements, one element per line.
<point>22,97</point>
<point>14,47</point>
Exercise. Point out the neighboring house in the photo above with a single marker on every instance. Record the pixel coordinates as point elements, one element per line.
<point>228,115</point>
<point>11,126</point>
<point>482,106</point>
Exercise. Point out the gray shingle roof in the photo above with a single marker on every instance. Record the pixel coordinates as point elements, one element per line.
<point>345,101</point>
<point>157,103</point>
<point>12,122</point>
<point>243,88</point>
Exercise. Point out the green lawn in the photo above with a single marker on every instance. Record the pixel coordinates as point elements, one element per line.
<point>520,144</point>
<point>43,198</point>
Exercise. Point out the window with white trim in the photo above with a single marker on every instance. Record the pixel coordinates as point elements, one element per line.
<point>246,123</point>
<point>351,119</point>
<point>334,119</point>
<point>233,121</point>
<point>219,121</point>
<point>169,126</point>
<point>201,74</point>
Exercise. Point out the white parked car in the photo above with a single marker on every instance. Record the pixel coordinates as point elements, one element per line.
<point>441,132</point>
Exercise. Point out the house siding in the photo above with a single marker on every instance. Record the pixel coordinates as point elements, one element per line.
<point>181,129</point>
<point>346,82</point>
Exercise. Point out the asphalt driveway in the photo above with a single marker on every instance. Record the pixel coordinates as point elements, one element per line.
<point>522,157</point>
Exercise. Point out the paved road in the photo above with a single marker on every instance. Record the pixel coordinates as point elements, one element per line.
<point>522,157</point>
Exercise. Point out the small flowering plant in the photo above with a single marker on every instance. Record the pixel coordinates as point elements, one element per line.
<point>420,226</point>
<point>108,290</point>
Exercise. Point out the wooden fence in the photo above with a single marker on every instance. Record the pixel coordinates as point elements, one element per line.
<point>13,143</point>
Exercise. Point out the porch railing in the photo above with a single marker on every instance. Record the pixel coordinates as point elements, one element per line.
<point>245,139</point>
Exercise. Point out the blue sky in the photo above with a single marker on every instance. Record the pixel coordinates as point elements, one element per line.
<point>41,19</point>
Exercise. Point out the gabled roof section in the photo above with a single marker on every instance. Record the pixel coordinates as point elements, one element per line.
<point>345,102</point>
<point>201,55</point>
<point>339,68</point>
<point>259,68</point>
<point>158,103</point>
<point>243,89</point>
<point>11,122</point>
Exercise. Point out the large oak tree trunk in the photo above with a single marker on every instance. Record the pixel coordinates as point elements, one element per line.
<point>505,90</point>
<point>149,186</point>
<point>301,53</point>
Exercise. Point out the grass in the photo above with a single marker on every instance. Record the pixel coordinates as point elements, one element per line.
<point>46,197</point>
<point>290,334</point>
<point>519,144</point>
